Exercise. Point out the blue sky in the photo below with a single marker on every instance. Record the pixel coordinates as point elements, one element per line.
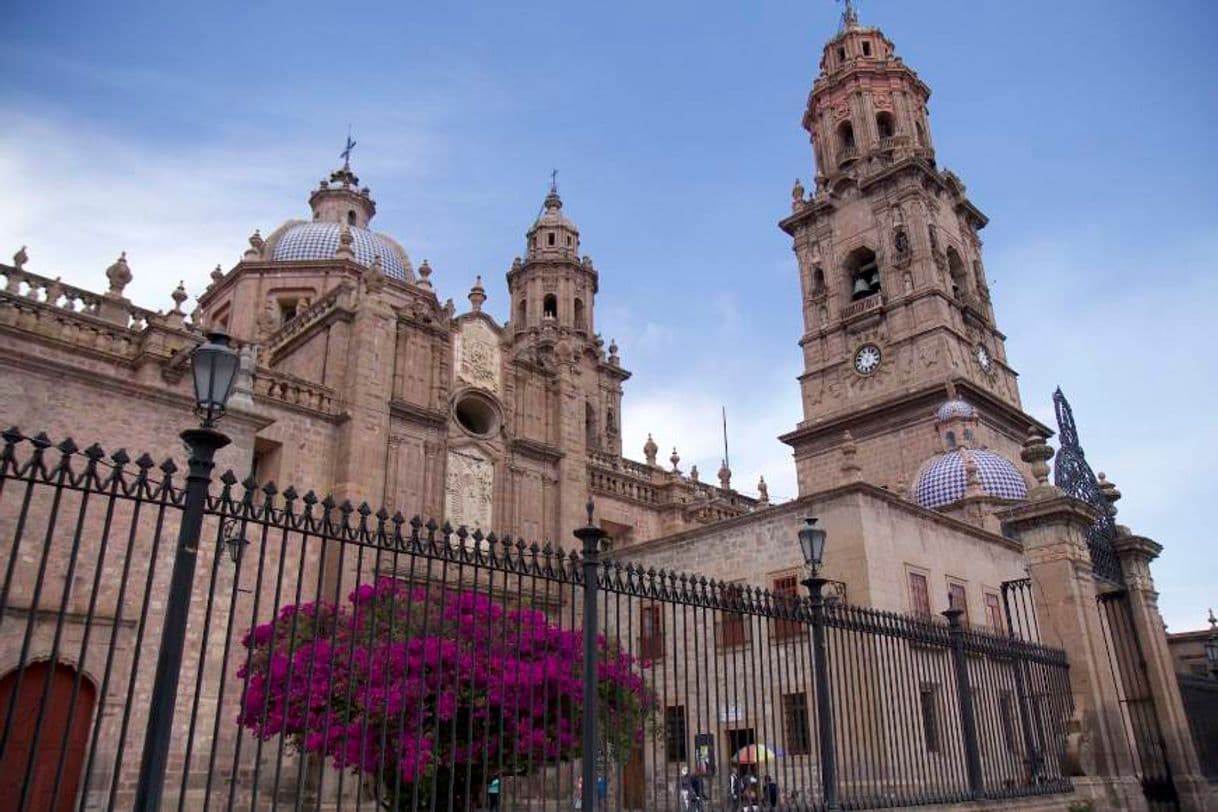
<point>1085,130</point>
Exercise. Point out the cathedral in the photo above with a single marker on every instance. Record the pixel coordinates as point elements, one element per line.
<point>359,378</point>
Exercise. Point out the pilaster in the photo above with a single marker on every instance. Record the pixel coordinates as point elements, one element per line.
<point>1052,529</point>
<point>1136,553</point>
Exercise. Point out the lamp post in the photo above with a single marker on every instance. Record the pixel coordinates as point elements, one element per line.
<point>590,535</point>
<point>1211,647</point>
<point>812,545</point>
<point>214,368</point>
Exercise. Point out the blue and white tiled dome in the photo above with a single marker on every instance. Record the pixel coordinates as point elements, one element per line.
<point>955,408</point>
<point>942,480</point>
<point>319,240</point>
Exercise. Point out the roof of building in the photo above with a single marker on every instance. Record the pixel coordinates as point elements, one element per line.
<point>943,479</point>
<point>319,241</point>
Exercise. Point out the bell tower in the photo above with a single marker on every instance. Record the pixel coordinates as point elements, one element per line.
<point>894,295</point>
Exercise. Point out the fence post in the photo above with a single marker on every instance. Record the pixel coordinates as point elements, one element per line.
<point>203,444</point>
<point>590,535</point>
<point>824,708</point>
<point>964,693</point>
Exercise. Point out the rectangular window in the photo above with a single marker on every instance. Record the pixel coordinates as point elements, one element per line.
<point>1006,715</point>
<point>674,732</point>
<point>866,49</point>
<point>786,598</point>
<point>928,697</point>
<point>651,633</point>
<point>993,611</point>
<point>919,595</point>
<point>957,598</point>
<point>799,734</point>
<point>733,626</point>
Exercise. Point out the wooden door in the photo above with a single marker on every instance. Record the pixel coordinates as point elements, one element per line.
<point>633,779</point>
<point>60,715</point>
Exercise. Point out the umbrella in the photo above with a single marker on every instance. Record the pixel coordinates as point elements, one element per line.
<point>754,754</point>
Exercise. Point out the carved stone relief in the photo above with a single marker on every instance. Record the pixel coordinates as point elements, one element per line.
<point>469,490</point>
<point>476,355</point>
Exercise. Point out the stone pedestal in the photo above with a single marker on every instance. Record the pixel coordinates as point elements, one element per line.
<point>1052,528</point>
<point>1136,553</point>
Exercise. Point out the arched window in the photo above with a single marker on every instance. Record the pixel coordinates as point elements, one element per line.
<point>885,125</point>
<point>351,217</point>
<point>845,136</point>
<point>950,438</point>
<point>968,439</point>
<point>864,273</point>
<point>549,306</point>
<point>579,315</point>
<point>818,280</point>
<point>956,269</point>
<point>522,314</point>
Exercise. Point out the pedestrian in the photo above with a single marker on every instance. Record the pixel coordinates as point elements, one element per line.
<point>735,788</point>
<point>770,789</point>
<point>683,787</point>
<point>602,793</point>
<point>695,791</point>
<point>492,792</point>
<point>750,792</point>
<point>577,800</point>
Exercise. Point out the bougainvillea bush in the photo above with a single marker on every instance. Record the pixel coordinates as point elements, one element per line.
<point>432,691</point>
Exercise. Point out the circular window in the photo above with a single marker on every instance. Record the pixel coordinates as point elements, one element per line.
<point>476,414</point>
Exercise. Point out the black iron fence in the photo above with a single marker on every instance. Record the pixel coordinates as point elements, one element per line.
<point>341,657</point>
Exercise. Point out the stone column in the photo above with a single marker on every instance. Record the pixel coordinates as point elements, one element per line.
<point>1136,553</point>
<point>1052,528</point>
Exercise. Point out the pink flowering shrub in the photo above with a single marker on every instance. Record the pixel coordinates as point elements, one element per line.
<point>432,690</point>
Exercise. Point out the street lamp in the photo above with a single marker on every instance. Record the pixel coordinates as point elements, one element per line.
<point>812,545</point>
<point>214,367</point>
<point>1211,646</point>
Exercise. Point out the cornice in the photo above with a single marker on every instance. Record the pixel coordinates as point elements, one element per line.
<point>421,414</point>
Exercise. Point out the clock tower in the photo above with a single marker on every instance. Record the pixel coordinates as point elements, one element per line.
<point>897,312</point>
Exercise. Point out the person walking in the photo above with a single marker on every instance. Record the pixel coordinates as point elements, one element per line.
<point>770,790</point>
<point>683,787</point>
<point>492,793</point>
<point>735,789</point>
<point>602,793</point>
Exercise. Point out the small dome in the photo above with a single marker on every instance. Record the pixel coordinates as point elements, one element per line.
<point>319,241</point>
<point>942,480</point>
<point>954,408</point>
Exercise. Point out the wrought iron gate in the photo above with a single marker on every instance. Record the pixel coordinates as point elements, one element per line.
<point>1073,474</point>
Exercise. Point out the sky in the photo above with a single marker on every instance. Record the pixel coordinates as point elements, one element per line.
<point>1085,130</point>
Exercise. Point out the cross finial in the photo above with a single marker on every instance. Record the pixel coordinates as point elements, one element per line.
<point>346,153</point>
<point>850,16</point>
<point>554,181</point>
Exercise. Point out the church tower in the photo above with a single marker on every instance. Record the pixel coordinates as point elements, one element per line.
<point>897,312</point>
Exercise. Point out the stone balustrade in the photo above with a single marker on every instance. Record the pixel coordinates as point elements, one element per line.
<point>627,486</point>
<point>315,312</point>
<point>865,305</point>
<point>52,294</point>
<point>288,389</point>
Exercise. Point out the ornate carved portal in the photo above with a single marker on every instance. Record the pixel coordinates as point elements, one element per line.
<point>469,490</point>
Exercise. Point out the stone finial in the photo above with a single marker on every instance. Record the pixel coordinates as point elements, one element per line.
<point>477,295</point>
<point>450,309</point>
<point>1037,453</point>
<point>516,264</point>
<point>243,385</point>
<point>586,262</point>
<point>797,195</point>
<point>693,472</point>
<point>1108,490</point>
<point>613,356</point>
<point>851,470</point>
<point>725,476</point>
<point>119,275</point>
<point>268,319</point>
<point>217,274</point>
<point>425,275</point>
<point>345,241</point>
<point>650,449</point>
<point>179,296</point>
<point>254,252</point>
<point>674,459</point>
<point>20,258</point>
<point>763,491</point>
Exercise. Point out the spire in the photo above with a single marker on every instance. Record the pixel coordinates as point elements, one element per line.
<point>477,295</point>
<point>850,17</point>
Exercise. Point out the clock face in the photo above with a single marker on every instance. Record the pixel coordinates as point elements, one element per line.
<point>983,357</point>
<point>867,359</point>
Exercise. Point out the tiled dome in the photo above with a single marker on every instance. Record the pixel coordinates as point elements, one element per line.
<point>955,408</point>
<point>319,240</point>
<point>942,480</point>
